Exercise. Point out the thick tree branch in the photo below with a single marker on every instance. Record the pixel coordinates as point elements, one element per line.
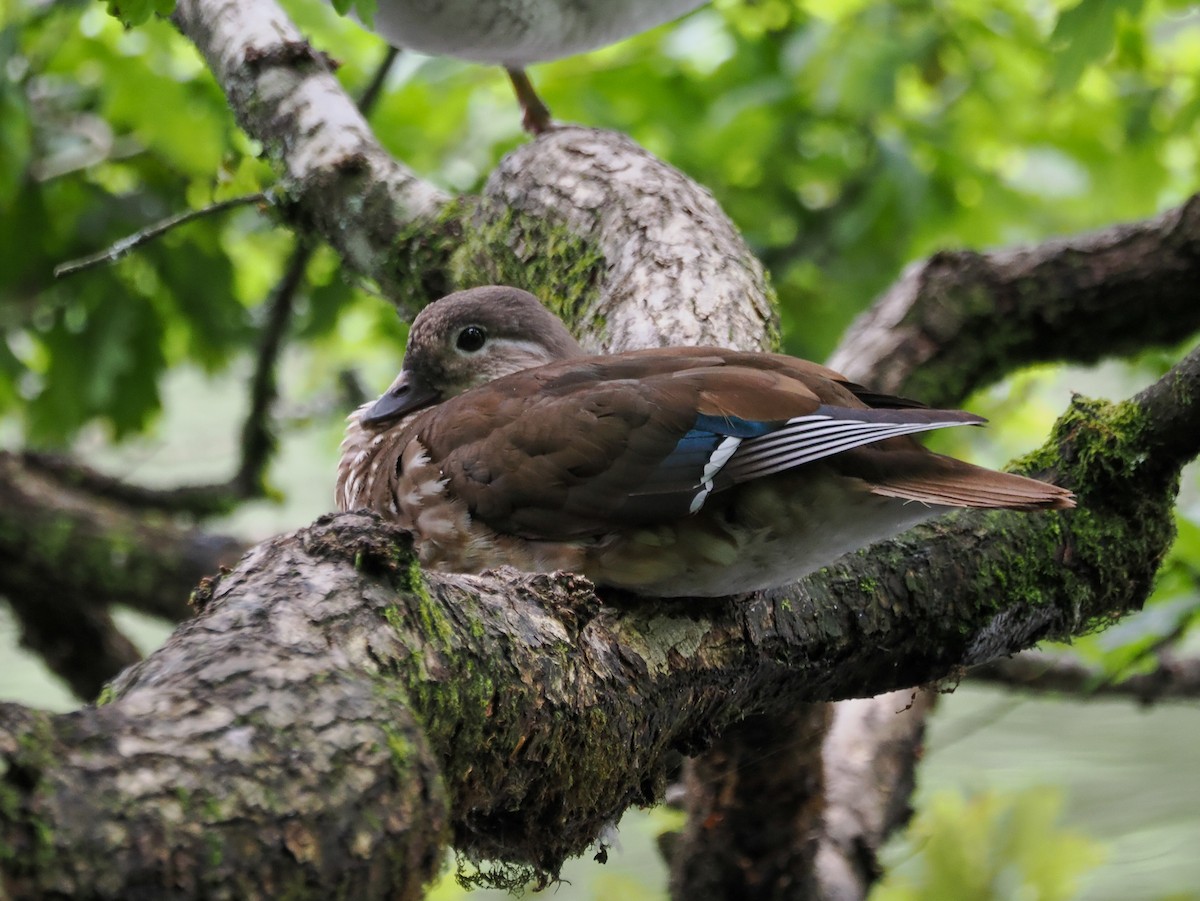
<point>580,217</point>
<point>1172,414</point>
<point>871,757</point>
<point>670,268</point>
<point>1049,297</point>
<point>755,803</point>
<point>480,256</point>
<point>547,710</point>
<point>960,320</point>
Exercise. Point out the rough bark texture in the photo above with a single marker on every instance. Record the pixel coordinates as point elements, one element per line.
<point>328,694</point>
<point>628,247</point>
<point>252,757</point>
<point>674,270</point>
<point>340,181</point>
<point>960,320</point>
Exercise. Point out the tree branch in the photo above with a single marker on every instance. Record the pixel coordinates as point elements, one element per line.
<point>1172,413</point>
<point>66,556</point>
<point>575,216</point>
<point>498,243</point>
<point>1033,671</point>
<point>755,804</point>
<point>959,320</point>
<point>662,264</point>
<point>257,445</point>
<point>131,242</point>
<point>284,95</point>
<point>547,709</point>
<point>871,755</point>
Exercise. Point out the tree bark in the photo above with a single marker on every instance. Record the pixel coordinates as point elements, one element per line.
<point>756,806</point>
<point>871,755</point>
<point>330,709</point>
<point>960,320</point>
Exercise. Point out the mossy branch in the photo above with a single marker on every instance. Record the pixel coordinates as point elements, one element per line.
<point>960,320</point>
<point>526,712</point>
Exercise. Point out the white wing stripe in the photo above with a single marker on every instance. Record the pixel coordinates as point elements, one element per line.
<point>719,457</point>
<point>870,431</point>
<point>766,455</point>
<point>816,434</point>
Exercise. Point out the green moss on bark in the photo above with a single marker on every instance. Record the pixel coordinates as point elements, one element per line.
<point>20,779</point>
<point>421,271</point>
<point>1125,512</point>
<point>542,257</point>
<point>1093,444</point>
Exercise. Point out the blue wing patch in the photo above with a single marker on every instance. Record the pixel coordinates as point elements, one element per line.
<point>719,451</point>
<point>699,456</point>
<point>733,426</point>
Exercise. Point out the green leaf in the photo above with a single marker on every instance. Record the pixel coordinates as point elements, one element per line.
<point>104,361</point>
<point>363,9</point>
<point>1085,34</point>
<point>198,287</point>
<point>135,12</point>
<point>11,370</point>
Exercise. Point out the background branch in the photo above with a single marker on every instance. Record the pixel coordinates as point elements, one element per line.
<point>959,320</point>
<point>474,247</point>
<point>924,337</point>
<point>67,555</point>
<point>1033,671</point>
<point>568,177</point>
<point>119,553</point>
<point>157,230</point>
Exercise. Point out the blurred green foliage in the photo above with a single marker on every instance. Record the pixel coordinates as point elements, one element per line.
<point>846,138</point>
<point>989,848</point>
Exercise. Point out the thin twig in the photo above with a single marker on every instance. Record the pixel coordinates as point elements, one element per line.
<point>137,239</point>
<point>374,87</point>
<point>1171,680</point>
<point>258,436</point>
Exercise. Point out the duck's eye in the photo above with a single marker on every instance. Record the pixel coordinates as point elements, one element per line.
<point>471,338</point>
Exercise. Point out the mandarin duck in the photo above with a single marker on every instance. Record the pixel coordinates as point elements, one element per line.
<point>515,33</point>
<point>681,471</point>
